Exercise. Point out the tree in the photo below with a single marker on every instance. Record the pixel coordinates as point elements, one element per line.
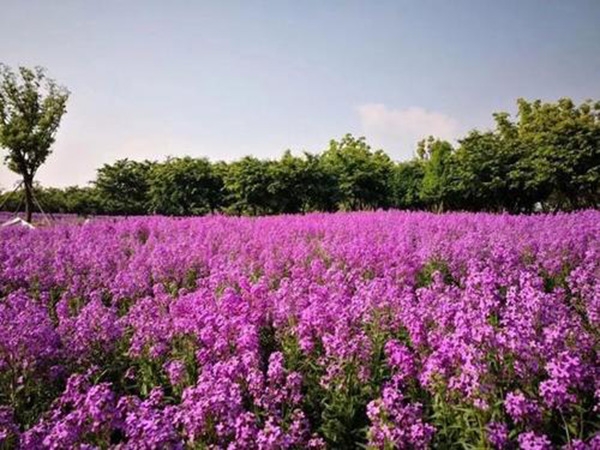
<point>247,184</point>
<point>185,187</point>
<point>562,141</point>
<point>31,107</point>
<point>483,168</point>
<point>321,189</point>
<point>490,173</point>
<point>298,184</point>
<point>288,184</point>
<point>548,156</point>
<point>436,190</point>
<point>405,185</point>
<point>124,187</point>
<point>83,200</point>
<point>362,175</point>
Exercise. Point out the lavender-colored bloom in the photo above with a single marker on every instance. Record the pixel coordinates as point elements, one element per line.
<point>92,333</point>
<point>520,408</point>
<point>175,371</point>
<point>8,428</point>
<point>84,412</point>
<point>148,424</point>
<point>577,444</point>
<point>226,332</point>
<point>400,359</point>
<point>497,435</point>
<point>397,423</point>
<point>556,393</point>
<point>533,441</point>
<point>28,341</point>
<point>271,437</point>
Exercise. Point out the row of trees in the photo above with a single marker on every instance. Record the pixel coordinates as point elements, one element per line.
<point>348,176</point>
<point>547,158</point>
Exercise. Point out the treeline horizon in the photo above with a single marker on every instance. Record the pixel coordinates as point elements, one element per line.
<point>547,158</point>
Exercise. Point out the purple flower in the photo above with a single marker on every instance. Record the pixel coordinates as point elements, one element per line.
<point>28,342</point>
<point>276,371</point>
<point>533,441</point>
<point>229,332</point>
<point>397,423</point>
<point>176,372</point>
<point>400,359</point>
<point>148,424</point>
<point>93,333</point>
<point>520,408</point>
<point>497,434</point>
<point>556,394</point>
<point>8,428</point>
<point>271,437</point>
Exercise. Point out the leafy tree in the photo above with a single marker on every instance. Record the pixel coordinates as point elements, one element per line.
<point>436,190</point>
<point>550,155</point>
<point>298,184</point>
<point>84,200</point>
<point>123,187</point>
<point>491,175</point>
<point>247,184</point>
<point>287,185</point>
<point>406,183</point>
<point>483,165</point>
<point>184,187</point>
<point>362,175</point>
<point>12,200</point>
<point>74,199</point>
<point>322,190</point>
<point>31,107</point>
<point>562,143</point>
<point>53,199</point>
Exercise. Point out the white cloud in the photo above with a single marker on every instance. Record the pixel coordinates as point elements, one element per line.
<point>398,130</point>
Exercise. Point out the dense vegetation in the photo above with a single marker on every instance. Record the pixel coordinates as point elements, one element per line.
<point>547,158</point>
<point>378,330</point>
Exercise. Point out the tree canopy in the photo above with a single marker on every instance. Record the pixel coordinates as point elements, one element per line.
<point>31,108</point>
<point>546,157</point>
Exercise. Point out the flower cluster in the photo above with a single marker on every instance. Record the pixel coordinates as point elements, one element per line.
<point>379,329</point>
<point>396,423</point>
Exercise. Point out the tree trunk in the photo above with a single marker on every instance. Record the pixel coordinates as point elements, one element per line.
<point>28,199</point>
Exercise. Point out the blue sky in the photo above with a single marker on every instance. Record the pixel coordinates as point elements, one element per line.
<point>226,79</point>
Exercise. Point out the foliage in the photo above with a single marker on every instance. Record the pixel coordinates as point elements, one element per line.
<point>247,185</point>
<point>562,143</point>
<point>406,184</point>
<point>31,107</point>
<point>546,158</point>
<point>299,184</point>
<point>549,156</point>
<point>184,187</point>
<point>437,174</point>
<point>361,175</point>
<point>123,187</point>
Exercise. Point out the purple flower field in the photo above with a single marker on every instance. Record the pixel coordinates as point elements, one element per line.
<point>386,330</point>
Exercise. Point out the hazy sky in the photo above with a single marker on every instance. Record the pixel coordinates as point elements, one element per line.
<point>225,79</point>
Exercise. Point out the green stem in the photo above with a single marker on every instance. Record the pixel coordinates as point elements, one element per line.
<point>566,427</point>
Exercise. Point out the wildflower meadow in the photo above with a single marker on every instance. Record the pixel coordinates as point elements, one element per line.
<point>379,330</point>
